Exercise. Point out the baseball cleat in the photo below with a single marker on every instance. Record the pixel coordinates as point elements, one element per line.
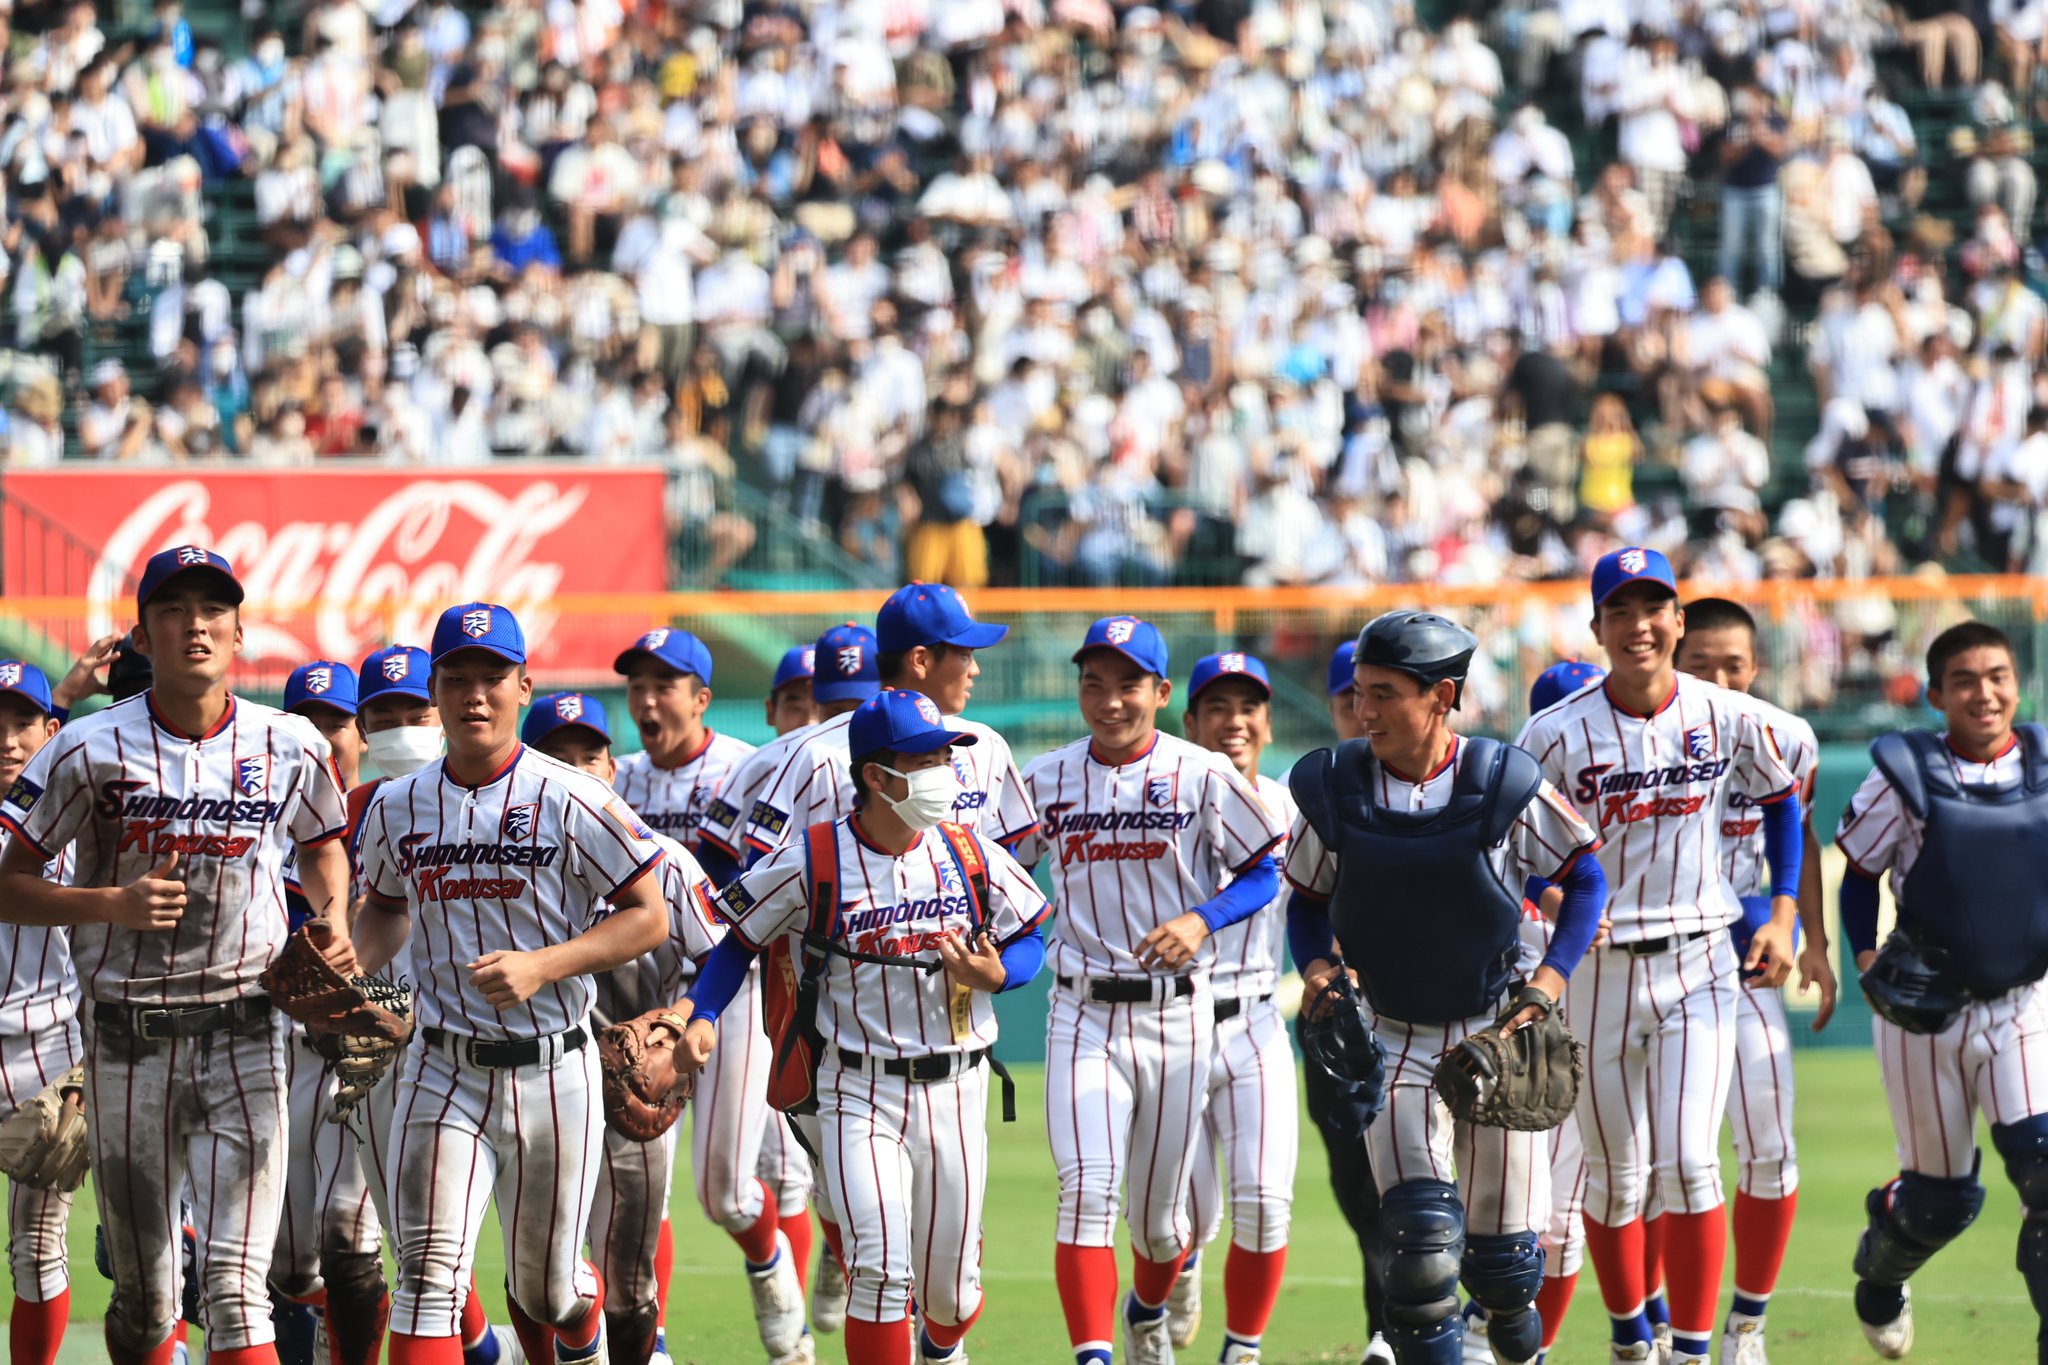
<point>1377,1352</point>
<point>509,1351</point>
<point>1742,1341</point>
<point>1893,1339</point>
<point>778,1301</point>
<point>1239,1354</point>
<point>1146,1343</point>
<point>1184,1306</point>
<point>829,1291</point>
<point>1660,1338</point>
<point>806,1353</point>
<point>957,1356</point>
<point>1617,1354</point>
<point>1478,1351</point>
<point>598,1352</point>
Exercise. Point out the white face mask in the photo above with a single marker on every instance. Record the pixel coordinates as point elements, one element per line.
<point>404,749</point>
<point>932,795</point>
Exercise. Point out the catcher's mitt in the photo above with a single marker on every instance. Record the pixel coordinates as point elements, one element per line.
<point>1527,1081</point>
<point>1337,1036</point>
<point>306,986</point>
<point>43,1142</point>
<point>644,1090</point>
<point>361,1059</point>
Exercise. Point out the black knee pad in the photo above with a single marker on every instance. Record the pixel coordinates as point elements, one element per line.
<point>1502,1273</point>
<point>1422,1243</point>
<point>1911,1219</point>
<point>2024,1145</point>
<point>631,1333</point>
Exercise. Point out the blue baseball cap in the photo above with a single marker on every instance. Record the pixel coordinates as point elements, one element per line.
<point>396,670</point>
<point>322,681</point>
<point>479,625</point>
<point>26,681</point>
<point>845,665</point>
<point>557,710</point>
<point>165,565</point>
<point>1136,640</point>
<point>931,614</point>
<point>1342,676</point>
<point>1229,664</point>
<point>1631,564</point>
<point>1559,681</point>
<point>905,722</point>
<point>798,662</point>
<point>679,649</point>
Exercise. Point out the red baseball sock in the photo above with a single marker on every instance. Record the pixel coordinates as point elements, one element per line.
<point>1251,1286</point>
<point>160,1354</point>
<point>266,1354</point>
<point>1653,1255</point>
<point>946,1338</point>
<point>1696,1247</point>
<point>797,1228</point>
<point>475,1322</point>
<point>664,1266</point>
<point>1152,1281</point>
<point>536,1339</point>
<point>1617,1254</point>
<point>830,1231</point>
<point>877,1343</point>
<point>362,1343</point>
<point>757,1239</point>
<point>37,1329</point>
<point>1087,1280</point>
<point>1763,1229</point>
<point>407,1349</point>
<point>586,1328</point>
<point>1551,1302</point>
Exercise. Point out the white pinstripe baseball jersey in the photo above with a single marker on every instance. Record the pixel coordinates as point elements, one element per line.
<point>657,979</point>
<point>1543,841</point>
<point>674,801</point>
<point>41,985</point>
<point>1137,844</point>
<point>887,904</point>
<point>126,790</point>
<point>724,825</point>
<point>1878,834</point>
<point>1742,829</point>
<point>1248,953</point>
<point>1657,789</point>
<point>519,862</point>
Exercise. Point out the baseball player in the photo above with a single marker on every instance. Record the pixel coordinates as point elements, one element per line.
<point>683,763</point>
<point>1962,1020</point>
<point>499,853</point>
<point>790,703</point>
<point>1156,845</point>
<point>791,706</point>
<point>185,1059</point>
<point>1418,827</point>
<point>1653,759</point>
<point>902,1088</point>
<point>1250,1111</point>
<point>1719,645</point>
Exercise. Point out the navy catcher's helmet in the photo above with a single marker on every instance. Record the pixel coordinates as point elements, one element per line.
<point>1425,646</point>
<point>1912,985</point>
<point>1337,1036</point>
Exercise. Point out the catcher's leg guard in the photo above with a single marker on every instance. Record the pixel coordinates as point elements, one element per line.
<point>2024,1145</point>
<point>1910,1219</point>
<point>1422,1242</point>
<point>1503,1273</point>
<point>630,1333</point>
<point>358,1310</point>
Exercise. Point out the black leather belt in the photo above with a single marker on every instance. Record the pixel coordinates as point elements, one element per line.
<point>1237,1004</point>
<point>1646,947</point>
<point>498,1056</point>
<point>933,1066</point>
<point>1127,990</point>
<point>179,1021</point>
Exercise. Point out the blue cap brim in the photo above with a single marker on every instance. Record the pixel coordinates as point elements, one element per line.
<point>1085,650</point>
<point>234,587</point>
<point>1254,679</point>
<point>31,698</point>
<point>930,740</point>
<point>582,725</point>
<point>843,691</point>
<point>304,702</point>
<point>1630,582</point>
<point>480,648</point>
<point>980,635</point>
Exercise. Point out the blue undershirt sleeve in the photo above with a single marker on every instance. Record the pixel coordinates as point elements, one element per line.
<point>1784,845</point>
<point>1250,892</point>
<point>1022,958</point>
<point>1859,911</point>
<point>719,979</point>
<point>1309,935</point>
<point>1578,918</point>
<point>718,865</point>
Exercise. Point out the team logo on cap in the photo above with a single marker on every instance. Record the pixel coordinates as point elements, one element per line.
<point>926,709</point>
<point>811,659</point>
<point>1163,792</point>
<point>477,624</point>
<point>191,554</point>
<point>1120,631</point>
<point>569,707</point>
<point>963,605</point>
<point>518,821</point>
<point>396,666</point>
<point>849,659</point>
<point>1699,742</point>
<point>10,674</point>
<point>252,775</point>
<point>319,679</point>
<point>1230,663</point>
<point>654,639</point>
<point>1634,561</point>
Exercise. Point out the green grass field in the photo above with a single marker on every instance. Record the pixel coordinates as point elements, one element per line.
<point>1972,1309</point>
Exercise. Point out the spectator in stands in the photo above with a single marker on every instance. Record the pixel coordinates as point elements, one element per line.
<point>1727,357</point>
<point>1751,147</point>
<point>1608,461</point>
<point>115,425</point>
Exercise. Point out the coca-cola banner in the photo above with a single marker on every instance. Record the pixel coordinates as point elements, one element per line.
<point>338,562</point>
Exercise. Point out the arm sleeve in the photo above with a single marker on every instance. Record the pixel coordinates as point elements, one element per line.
<point>1022,958</point>
<point>1859,911</point>
<point>1533,889</point>
<point>1248,893</point>
<point>718,980</point>
<point>1784,845</point>
<point>1309,935</point>
<point>719,865</point>
<point>1578,918</point>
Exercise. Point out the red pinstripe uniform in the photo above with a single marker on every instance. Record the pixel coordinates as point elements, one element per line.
<point>38,1043</point>
<point>125,789</point>
<point>673,801</point>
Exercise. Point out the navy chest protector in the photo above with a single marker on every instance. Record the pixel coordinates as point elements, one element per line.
<point>1979,887</point>
<point>1429,927</point>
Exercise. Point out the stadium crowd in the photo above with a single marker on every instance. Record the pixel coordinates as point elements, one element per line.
<point>1271,291</point>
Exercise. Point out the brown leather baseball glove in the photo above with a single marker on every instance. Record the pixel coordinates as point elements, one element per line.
<point>1527,1081</point>
<point>644,1090</point>
<point>305,985</point>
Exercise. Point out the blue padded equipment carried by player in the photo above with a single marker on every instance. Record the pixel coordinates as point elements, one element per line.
<point>1336,1036</point>
<point>2024,1145</point>
<point>1910,1219</point>
<point>1502,1274</point>
<point>1913,985</point>
<point>1979,886</point>
<point>1422,1247</point>
<point>1420,886</point>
